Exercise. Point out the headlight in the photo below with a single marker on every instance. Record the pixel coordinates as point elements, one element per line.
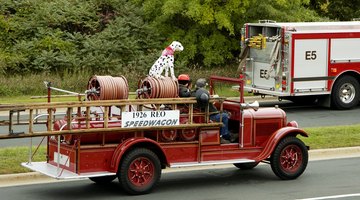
<point>293,124</point>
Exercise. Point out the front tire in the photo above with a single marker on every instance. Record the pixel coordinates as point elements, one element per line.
<point>139,171</point>
<point>289,159</point>
<point>346,92</point>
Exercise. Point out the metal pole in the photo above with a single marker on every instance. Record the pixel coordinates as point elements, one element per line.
<point>58,156</point>
<point>242,127</point>
<point>10,122</point>
<point>30,151</point>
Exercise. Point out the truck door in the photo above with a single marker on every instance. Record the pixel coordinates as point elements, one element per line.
<point>310,65</point>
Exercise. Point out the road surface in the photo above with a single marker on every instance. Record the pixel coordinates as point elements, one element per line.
<point>316,116</point>
<point>323,178</point>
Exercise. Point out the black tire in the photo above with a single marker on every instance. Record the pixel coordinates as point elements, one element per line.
<point>139,171</point>
<point>345,93</point>
<point>246,166</point>
<point>289,159</point>
<point>103,179</point>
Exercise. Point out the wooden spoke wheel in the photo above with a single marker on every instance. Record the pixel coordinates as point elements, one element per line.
<point>289,158</point>
<point>140,171</point>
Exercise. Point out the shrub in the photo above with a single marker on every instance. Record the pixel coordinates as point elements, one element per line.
<point>81,35</point>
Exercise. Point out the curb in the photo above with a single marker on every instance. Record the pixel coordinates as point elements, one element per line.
<point>334,153</point>
<point>8,180</point>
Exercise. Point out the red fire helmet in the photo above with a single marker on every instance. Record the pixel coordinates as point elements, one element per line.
<point>184,77</point>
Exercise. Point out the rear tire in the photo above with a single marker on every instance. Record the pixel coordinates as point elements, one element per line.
<point>139,171</point>
<point>289,159</point>
<point>345,93</point>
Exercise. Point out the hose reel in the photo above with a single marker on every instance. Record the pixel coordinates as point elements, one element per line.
<point>157,88</point>
<point>107,88</point>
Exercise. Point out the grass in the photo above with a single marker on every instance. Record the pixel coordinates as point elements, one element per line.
<point>12,157</point>
<point>322,137</point>
<point>333,136</point>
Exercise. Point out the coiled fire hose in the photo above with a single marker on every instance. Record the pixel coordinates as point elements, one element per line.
<point>157,88</point>
<point>107,88</point>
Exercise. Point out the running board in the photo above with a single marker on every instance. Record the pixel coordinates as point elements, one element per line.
<point>204,163</point>
<point>58,173</point>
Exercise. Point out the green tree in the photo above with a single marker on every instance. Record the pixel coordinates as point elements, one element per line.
<point>344,10</point>
<point>100,36</point>
<point>281,10</point>
<point>210,29</point>
<point>115,36</point>
<point>320,6</point>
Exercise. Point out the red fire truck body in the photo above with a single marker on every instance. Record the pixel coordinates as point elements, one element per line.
<point>99,147</point>
<point>303,61</point>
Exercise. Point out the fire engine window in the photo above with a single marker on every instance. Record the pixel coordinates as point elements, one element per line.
<point>255,30</point>
<point>271,31</point>
<point>263,30</point>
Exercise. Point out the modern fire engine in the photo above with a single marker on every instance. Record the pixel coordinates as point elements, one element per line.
<point>110,135</point>
<point>303,61</point>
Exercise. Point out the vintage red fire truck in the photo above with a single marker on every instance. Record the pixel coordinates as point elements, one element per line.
<point>110,136</point>
<point>303,61</point>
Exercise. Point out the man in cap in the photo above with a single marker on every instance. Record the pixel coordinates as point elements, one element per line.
<point>203,97</point>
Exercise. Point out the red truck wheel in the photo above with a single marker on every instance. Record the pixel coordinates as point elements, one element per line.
<point>289,159</point>
<point>140,171</point>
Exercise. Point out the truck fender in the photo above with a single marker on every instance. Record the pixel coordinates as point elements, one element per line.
<point>276,138</point>
<point>122,148</point>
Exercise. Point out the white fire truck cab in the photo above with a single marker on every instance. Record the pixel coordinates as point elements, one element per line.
<point>303,61</point>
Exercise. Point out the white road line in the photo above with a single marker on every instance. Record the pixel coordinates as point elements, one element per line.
<point>333,197</point>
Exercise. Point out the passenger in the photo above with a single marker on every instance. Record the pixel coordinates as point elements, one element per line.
<point>184,85</point>
<point>203,97</point>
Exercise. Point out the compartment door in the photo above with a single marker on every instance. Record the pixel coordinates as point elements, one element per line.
<point>310,65</point>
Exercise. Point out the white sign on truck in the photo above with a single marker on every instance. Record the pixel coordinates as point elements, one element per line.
<point>150,118</point>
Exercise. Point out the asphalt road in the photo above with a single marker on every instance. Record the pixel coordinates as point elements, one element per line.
<point>316,116</point>
<point>320,179</point>
<point>21,141</point>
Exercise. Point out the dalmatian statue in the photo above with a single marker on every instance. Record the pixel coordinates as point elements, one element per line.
<point>166,61</point>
